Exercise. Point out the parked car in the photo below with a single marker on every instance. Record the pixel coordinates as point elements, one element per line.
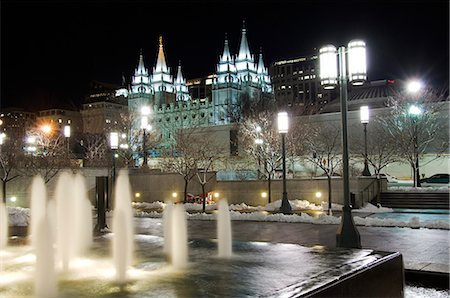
<point>198,199</point>
<point>436,179</point>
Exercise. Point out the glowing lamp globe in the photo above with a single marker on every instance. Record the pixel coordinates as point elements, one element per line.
<point>114,140</point>
<point>357,66</point>
<point>283,122</point>
<point>328,67</point>
<point>364,114</point>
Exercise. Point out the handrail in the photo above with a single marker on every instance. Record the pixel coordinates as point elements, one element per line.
<point>371,188</point>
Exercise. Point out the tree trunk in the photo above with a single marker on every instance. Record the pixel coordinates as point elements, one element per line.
<point>204,197</point>
<point>329,194</point>
<point>269,186</point>
<point>185,189</point>
<point>4,191</point>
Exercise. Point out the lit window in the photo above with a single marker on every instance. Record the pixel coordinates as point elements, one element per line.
<point>108,121</point>
<point>283,87</point>
<point>59,120</point>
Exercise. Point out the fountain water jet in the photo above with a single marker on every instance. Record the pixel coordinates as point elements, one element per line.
<point>179,246</point>
<point>45,285</point>
<point>224,230</point>
<point>3,226</point>
<point>38,201</point>
<point>83,216</point>
<point>122,227</point>
<point>167,226</point>
<point>65,220</point>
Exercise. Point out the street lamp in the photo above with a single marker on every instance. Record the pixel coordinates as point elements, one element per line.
<point>114,144</point>
<point>259,142</point>
<point>67,135</point>
<point>283,127</point>
<point>364,114</point>
<point>414,112</point>
<point>145,111</point>
<point>329,59</point>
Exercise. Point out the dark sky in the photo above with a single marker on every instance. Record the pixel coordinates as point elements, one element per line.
<point>51,50</point>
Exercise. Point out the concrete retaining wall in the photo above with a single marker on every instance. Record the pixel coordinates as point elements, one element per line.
<point>156,186</point>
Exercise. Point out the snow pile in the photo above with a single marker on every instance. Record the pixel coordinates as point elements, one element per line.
<point>278,217</point>
<point>334,206</point>
<point>369,208</point>
<point>245,207</point>
<point>18,216</point>
<point>199,207</point>
<point>274,206</point>
<point>414,223</point>
<point>419,292</point>
<point>419,189</point>
<point>145,205</point>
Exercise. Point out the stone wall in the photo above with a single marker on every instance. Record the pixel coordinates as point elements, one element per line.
<point>156,186</point>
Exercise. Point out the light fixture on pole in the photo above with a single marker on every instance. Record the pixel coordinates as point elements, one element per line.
<point>114,144</point>
<point>330,62</point>
<point>258,142</point>
<point>283,127</point>
<point>415,112</point>
<point>145,111</point>
<point>364,116</point>
<point>67,135</point>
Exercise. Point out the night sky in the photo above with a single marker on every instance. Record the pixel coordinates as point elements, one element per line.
<point>51,50</point>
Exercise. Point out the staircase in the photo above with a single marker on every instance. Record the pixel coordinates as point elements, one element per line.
<point>415,200</point>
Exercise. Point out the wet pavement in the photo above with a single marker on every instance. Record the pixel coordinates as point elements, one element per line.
<point>422,249</point>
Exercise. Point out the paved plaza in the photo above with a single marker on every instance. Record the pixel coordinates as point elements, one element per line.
<point>422,249</point>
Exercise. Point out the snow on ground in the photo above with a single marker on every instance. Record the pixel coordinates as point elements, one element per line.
<point>419,292</point>
<point>419,189</point>
<point>20,216</point>
<point>369,208</point>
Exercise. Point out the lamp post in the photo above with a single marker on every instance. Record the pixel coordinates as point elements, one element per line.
<point>67,135</point>
<point>329,59</point>
<point>114,144</point>
<point>283,127</point>
<point>414,111</point>
<point>364,116</point>
<point>145,111</point>
<point>259,142</point>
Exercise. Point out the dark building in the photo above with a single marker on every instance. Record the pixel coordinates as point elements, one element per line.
<point>296,82</point>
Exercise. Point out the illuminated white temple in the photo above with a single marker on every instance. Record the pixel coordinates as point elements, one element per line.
<point>237,78</point>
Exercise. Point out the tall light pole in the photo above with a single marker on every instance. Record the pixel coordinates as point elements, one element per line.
<point>145,111</point>
<point>114,144</point>
<point>414,111</point>
<point>258,142</point>
<point>67,135</point>
<point>347,234</point>
<point>283,127</point>
<point>364,116</point>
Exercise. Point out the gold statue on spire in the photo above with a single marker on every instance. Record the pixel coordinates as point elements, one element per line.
<point>160,41</point>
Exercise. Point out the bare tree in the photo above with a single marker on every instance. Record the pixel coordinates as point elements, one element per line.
<point>418,124</point>
<point>262,142</point>
<point>183,161</point>
<point>11,153</point>
<point>322,147</point>
<point>381,149</point>
<point>48,156</point>
<point>95,149</point>
<point>206,154</point>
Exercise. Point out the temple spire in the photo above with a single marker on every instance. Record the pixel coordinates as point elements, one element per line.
<point>161,65</point>
<point>141,70</point>
<point>244,50</point>
<point>226,56</point>
<point>181,89</point>
<point>261,68</point>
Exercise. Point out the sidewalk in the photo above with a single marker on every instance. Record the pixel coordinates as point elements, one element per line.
<point>424,250</point>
